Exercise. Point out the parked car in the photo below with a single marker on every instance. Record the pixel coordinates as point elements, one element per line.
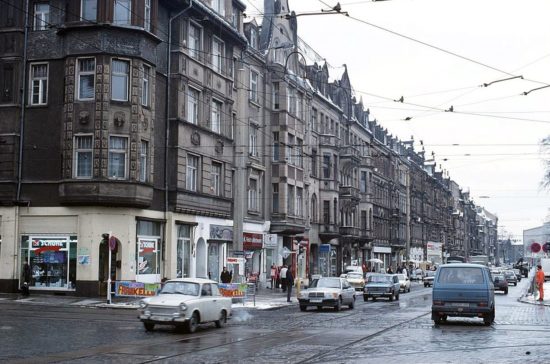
<point>328,291</point>
<point>382,285</point>
<point>511,277</point>
<point>356,280</point>
<point>517,272</point>
<point>186,302</point>
<point>404,283</point>
<point>428,278</point>
<point>500,283</point>
<point>463,290</point>
<point>353,268</point>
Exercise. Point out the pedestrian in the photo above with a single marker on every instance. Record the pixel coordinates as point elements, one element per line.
<point>399,269</point>
<point>273,276</point>
<point>225,277</point>
<point>289,284</point>
<point>284,269</point>
<point>539,278</point>
<point>27,276</point>
<point>404,271</point>
<point>390,271</point>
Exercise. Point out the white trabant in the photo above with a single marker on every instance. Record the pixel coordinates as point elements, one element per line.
<point>186,302</point>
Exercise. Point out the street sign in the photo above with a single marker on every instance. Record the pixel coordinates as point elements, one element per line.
<point>238,252</point>
<point>286,252</point>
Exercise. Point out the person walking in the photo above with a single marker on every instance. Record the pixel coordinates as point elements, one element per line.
<point>27,276</point>
<point>225,277</point>
<point>289,283</point>
<point>284,269</point>
<point>539,279</point>
<point>273,274</point>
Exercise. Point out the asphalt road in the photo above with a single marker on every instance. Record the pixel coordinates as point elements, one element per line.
<point>374,332</point>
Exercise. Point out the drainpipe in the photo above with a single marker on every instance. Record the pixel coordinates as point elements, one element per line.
<point>167,108</point>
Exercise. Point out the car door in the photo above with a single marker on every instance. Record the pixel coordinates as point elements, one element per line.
<point>348,291</point>
<point>206,304</point>
<point>218,301</point>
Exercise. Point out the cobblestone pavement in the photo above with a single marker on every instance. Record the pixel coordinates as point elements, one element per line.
<point>374,332</point>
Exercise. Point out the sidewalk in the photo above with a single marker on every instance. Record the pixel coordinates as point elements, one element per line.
<point>533,298</point>
<point>266,299</point>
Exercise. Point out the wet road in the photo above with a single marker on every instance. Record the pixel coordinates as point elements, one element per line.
<point>374,332</point>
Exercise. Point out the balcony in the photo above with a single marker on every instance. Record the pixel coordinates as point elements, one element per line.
<point>282,223</point>
<point>111,193</point>
<point>350,231</point>
<point>327,140</point>
<point>349,192</point>
<point>328,231</point>
<point>350,154</point>
<point>397,242</point>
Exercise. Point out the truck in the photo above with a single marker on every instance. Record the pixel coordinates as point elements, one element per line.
<point>545,263</point>
<point>480,259</point>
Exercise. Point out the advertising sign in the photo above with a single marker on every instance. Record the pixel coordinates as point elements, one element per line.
<point>252,241</point>
<point>270,241</point>
<point>233,290</point>
<point>135,289</point>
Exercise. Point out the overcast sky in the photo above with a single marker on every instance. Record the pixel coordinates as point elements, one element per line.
<point>494,153</point>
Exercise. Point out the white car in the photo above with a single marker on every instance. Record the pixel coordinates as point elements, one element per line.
<point>186,302</point>
<point>404,283</point>
<point>328,291</point>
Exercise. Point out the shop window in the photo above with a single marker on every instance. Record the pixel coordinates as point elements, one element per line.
<point>83,150</point>
<point>148,250</point>
<point>39,84</point>
<point>183,259</point>
<point>118,149</point>
<point>120,74</point>
<point>88,10</point>
<point>41,16</point>
<point>86,78</point>
<point>122,12</point>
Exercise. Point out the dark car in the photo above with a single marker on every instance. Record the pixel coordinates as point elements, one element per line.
<point>511,277</point>
<point>500,282</point>
<point>382,285</point>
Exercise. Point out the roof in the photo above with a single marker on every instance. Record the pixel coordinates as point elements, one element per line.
<point>462,265</point>
<point>192,280</point>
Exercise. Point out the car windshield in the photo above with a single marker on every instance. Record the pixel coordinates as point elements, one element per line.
<point>380,279</point>
<point>186,288</point>
<point>508,274</point>
<point>461,275</point>
<point>355,275</point>
<point>326,283</point>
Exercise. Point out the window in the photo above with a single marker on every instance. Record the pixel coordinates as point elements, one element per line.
<point>275,197</point>
<point>253,194</point>
<point>299,201</point>
<point>290,200</point>
<point>253,38</point>
<point>117,157</point>
<point>39,84</point>
<point>291,100</point>
<point>314,208</point>
<point>194,40</point>
<point>120,73</point>
<point>217,54</point>
<point>314,119</point>
<point>216,178</point>
<point>6,83</point>
<point>253,141</point>
<point>86,78</point>
<point>235,18</point>
<point>145,85</point>
<point>300,152</point>
<point>147,15</point>
<point>363,220</point>
<point>314,162</point>
<point>192,172</point>
<point>41,16</point>
<point>192,105</point>
<point>363,183</point>
<point>276,146</point>
<point>289,149</point>
<point>326,165</point>
<point>219,6</point>
<point>216,116</point>
<point>123,9</point>
<point>83,150</point>
<point>183,266</point>
<point>143,152</point>
<point>326,212</point>
<point>275,96</point>
<point>254,86</point>
<point>88,10</point>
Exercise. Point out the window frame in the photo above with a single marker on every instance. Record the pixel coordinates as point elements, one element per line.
<point>194,47</point>
<point>77,151</point>
<point>117,74</point>
<point>42,23</point>
<point>216,177</point>
<point>299,201</point>
<point>116,151</point>
<point>218,54</point>
<point>83,7</point>
<point>143,160</point>
<point>146,86</point>
<point>216,115</point>
<point>192,112</point>
<point>219,6</point>
<point>254,83</point>
<point>42,85</point>
<point>253,194</point>
<point>147,15</point>
<point>80,73</point>
<point>253,141</point>
<point>127,10</point>
<point>192,184</point>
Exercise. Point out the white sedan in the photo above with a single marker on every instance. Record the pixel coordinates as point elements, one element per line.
<point>329,291</point>
<point>186,302</point>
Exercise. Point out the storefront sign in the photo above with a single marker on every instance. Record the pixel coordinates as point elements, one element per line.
<point>234,290</point>
<point>234,260</point>
<point>382,249</point>
<point>42,245</point>
<point>271,241</point>
<point>147,246</point>
<point>252,241</point>
<point>324,248</point>
<point>220,232</point>
<point>135,289</point>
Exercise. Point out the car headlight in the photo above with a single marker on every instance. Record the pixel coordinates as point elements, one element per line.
<point>335,295</point>
<point>388,289</point>
<point>183,307</point>
<point>303,294</point>
<point>365,289</point>
<point>142,304</point>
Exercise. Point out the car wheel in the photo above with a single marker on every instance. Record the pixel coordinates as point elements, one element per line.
<point>437,320</point>
<point>374,298</point>
<point>193,323</point>
<point>409,290</point>
<point>303,307</point>
<point>149,326</point>
<point>319,308</point>
<point>397,297</point>
<point>506,291</point>
<point>338,306</point>
<point>352,304</point>
<point>515,284</point>
<point>425,285</point>
<point>391,297</point>
<point>222,321</point>
<point>487,320</point>
<point>365,298</point>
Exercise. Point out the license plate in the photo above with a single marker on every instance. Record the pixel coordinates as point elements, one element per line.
<point>316,301</point>
<point>461,304</point>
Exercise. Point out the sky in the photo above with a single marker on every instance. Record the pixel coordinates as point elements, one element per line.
<point>437,54</point>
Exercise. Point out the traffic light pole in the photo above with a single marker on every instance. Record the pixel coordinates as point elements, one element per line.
<point>109,279</point>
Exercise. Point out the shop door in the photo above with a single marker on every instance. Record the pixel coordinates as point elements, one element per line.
<point>214,261</point>
<point>104,265</point>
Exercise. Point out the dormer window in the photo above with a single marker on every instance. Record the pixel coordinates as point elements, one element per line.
<point>219,6</point>
<point>253,38</point>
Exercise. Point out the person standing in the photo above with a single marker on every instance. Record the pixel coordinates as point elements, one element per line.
<point>27,276</point>
<point>225,277</point>
<point>289,283</point>
<point>284,269</point>
<point>273,274</point>
<point>539,279</point>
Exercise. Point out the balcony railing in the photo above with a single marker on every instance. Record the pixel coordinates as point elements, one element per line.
<point>327,140</point>
<point>329,230</point>
<point>349,192</point>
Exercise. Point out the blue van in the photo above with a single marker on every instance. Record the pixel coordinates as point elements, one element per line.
<point>464,290</point>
